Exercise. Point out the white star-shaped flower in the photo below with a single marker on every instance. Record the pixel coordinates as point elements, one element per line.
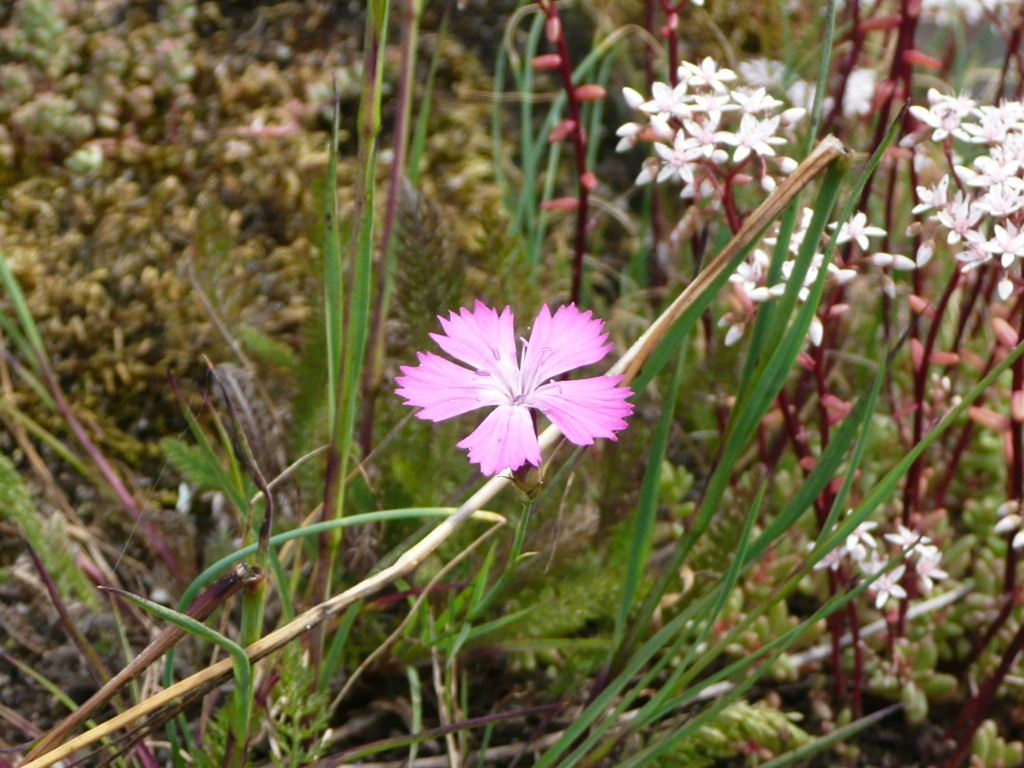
<point>858,230</point>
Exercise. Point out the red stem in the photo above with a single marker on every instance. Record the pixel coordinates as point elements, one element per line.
<point>579,143</point>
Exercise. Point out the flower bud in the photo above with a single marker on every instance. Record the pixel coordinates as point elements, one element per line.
<point>916,353</point>
<point>878,23</point>
<point>919,305</point>
<point>589,92</point>
<point>1004,332</point>
<point>1017,406</point>
<point>588,181</point>
<point>787,164</point>
<point>944,358</point>
<point>553,29</point>
<point>561,131</point>
<point>986,417</point>
<point>633,98</point>
<point>914,56</point>
<point>560,204</point>
<point>547,61</point>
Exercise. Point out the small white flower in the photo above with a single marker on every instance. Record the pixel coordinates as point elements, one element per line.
<point>959,216</point>
<point>750,275</point>
<point>886,586</point>
<point>934,197</point>
<point>704,139</point>
<point>712,104</point>
<point>860,541</point>
<point>1006,241</point>
<point>832,560</point>
<point>857,230</point>
<point>1001,200</point>
<point>906,539</point>
<point>707,73</point>
<point>973,256</point>
<point>678,159</point>
<point>667,101</point>
<point>762,72</point>
<point>991,170</point>
<point>944,114</point>
<point>927,567</point>
<point>755,101</point>
<point>860,92</point>
<point>754,135</point>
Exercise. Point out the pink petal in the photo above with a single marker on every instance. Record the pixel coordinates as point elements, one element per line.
<point>569,339</point>
<point>443,389</point>
<point>482,339</point>
<point>585,409</point>
<point>504,440</point>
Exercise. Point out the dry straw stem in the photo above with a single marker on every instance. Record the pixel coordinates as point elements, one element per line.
<point>827,151</point>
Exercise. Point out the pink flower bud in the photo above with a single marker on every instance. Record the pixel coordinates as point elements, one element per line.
<point>1017,406</point>
<point>837,310</point>
<point>589,92</point>
<point>919,305</point>
<point>914,56</point>
<point>588,181</point>
<point>916,353</point>
<point>836,404</point>
<point>553,29</point>
<point>879,22</point>
<point>945,358</point>
<point>561,131</point>
<point>986,417</point>
<point>1004,332</point>
<point>560,204</point>
<point>972,359</point>
<point>547,61</point>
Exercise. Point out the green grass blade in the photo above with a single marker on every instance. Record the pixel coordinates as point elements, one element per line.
<point>239,661</point>
<point>647,507</point>
<point>27,323</point>
<point>334,296</point>
<point>840,735</point>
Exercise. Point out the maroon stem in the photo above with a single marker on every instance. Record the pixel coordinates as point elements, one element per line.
<point>579,143</point>
<point>834,620</point>
<point>911,494</point>
<point>977,708</point>
<point>849,62</point>
<point>655,272</point>
<point>901,72</point>
<point>671,32</point>
<point>1016,468</point>
<point>857,704</point>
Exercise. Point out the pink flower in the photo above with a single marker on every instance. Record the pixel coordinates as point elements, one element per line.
<point>583,409</point>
